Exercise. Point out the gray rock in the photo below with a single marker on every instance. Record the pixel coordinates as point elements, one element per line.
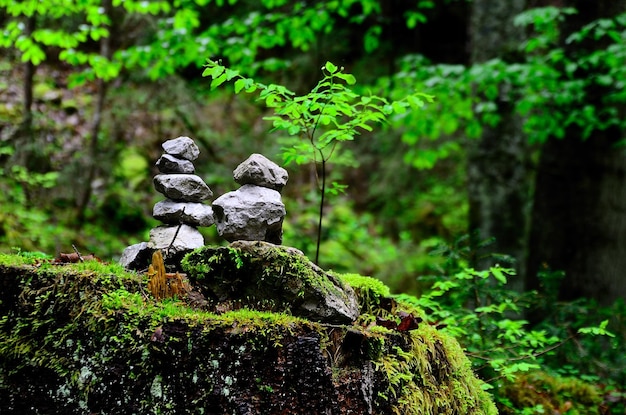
<point>182,187</point>
<point>261,171</point>
<point>256,273</point>
<point>182,147</point>
<point>188,238</point>
<point>172,212</point>
<point>250,213</point>
<point>170,164</point>
<point>137,257</point>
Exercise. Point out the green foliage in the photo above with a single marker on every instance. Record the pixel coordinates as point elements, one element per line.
<point>552,88</point>
<point>180,36</point>
<point>328,115</point>
<point>574,345</point>
<point>321,120</point>
<point>475,307</point>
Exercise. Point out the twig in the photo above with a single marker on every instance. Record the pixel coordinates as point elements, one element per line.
<point>167,250</point>
<point>78,253</point>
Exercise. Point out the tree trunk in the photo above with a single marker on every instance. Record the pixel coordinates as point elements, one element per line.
<point>94,148</point>
<point>24,136</point>
<point>578,222</point>
<point>498,176</point>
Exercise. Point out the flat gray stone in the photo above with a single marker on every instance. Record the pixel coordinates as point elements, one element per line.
<point>261,171</point>
<point>188,238</point>
<point>182,187</point>
<point>170,164</point>
<point>250,213</point>
<point>182,147</point>
<point>190,213</point>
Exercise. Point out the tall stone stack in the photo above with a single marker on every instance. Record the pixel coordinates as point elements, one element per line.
<point>255,211</point>
<point>181,212</point>
<point>183,209</point>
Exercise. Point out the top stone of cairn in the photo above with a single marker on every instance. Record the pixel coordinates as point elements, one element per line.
<point>260,171</point>
<point>182,147</point>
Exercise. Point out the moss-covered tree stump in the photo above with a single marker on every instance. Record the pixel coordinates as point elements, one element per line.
<point>89,338</point>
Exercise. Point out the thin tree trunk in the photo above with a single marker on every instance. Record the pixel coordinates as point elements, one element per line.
<point>24,134</point>
<point>29,75</point>
<point>94,148</point>
<point>498,167</point>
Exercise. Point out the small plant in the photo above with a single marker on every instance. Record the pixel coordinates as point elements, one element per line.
<point>330,114</point>
<point>162,284</point>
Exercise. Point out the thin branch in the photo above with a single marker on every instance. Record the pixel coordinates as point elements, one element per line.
<point>78,253</point>
<point>518,358</point>
<point>180,224</point>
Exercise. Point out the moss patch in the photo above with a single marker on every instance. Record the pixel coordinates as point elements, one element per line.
<point>261,275</point>
<point>88,338</point>
<point>550,394</point>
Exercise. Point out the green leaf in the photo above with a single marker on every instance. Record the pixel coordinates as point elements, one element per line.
<point>218,81</point>
<point>415,102</point>
<point>371,39</point>
<point>398,107</point>
<point>349,78</point>
<point>498,274</point>
<point>230,74</point>
<point>597,331</point>
<point>213,70</point>
<point>239,85</point>
<point>330,67</point>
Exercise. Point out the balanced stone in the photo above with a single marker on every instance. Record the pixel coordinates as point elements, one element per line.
<point>261,171</point>
<point>182,147</point>
<point>172,212</point>
<point>170,164</point>
<point>182,187</point>
<point>251,213</point>
<point>175,239</point>
<point>137,256</point>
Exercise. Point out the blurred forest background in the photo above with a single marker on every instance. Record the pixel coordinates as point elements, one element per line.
<point>519,161</point>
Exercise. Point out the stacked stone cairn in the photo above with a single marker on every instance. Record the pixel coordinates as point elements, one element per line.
<point>181,212</point>
<point>255,211</point>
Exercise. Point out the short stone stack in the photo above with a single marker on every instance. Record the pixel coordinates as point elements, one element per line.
<point>181,212</point>
<point>255,211</point>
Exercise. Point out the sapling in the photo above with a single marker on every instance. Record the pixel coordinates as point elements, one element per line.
<point>319,121</point>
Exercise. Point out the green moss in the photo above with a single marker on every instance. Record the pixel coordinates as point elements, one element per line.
<point>77,320</point>
<point>430,374</point>
<point>427,370</point>
<point>375,288</point>
<point>370,291</point>
<point>259,272</point>
<point>553,394</point>
<point>22,258</point>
